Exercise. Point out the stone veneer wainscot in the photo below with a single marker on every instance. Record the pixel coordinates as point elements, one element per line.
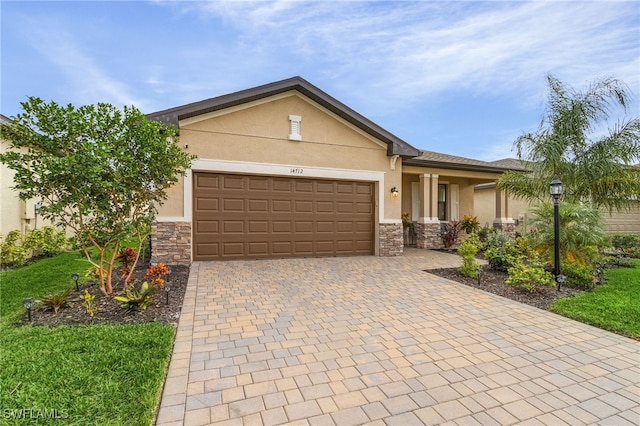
<point>391,239</point>
<point>171,243</point>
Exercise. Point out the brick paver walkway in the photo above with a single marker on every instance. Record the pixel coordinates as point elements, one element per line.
<point>347,341</point>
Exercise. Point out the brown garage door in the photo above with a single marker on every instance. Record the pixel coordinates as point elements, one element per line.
<point>238,217</point>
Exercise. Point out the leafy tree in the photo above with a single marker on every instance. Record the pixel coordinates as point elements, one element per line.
<point>596,168</point>
<point>99,170</point>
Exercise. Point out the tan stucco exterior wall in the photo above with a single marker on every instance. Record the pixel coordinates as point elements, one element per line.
<point>15,213</point>
<point>615,223</point>
<point>258,133</point>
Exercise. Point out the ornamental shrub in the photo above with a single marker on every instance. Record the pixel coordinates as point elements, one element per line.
<point>450,233</point>
<point>502,257</point>
<point>625,241</point>
<point>468,250</point>
<point>529,276</point>
<point>579,276</point>
<point>12,252</point>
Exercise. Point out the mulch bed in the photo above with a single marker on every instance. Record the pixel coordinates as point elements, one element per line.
<point>494,281</point>
<point>110,311</point>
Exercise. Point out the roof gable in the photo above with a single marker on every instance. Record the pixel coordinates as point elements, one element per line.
<point>395,145</point>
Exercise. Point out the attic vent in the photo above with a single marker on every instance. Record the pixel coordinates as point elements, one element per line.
<point>295,127</point>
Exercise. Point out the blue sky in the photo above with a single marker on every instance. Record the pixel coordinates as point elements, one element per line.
<point>463,77</point>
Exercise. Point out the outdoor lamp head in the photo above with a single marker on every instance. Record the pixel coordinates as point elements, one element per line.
<point>28,303</point>
<point>555,188</point>
<point>394,191</point>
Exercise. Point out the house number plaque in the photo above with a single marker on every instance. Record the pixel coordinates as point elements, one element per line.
<point>295,171</point>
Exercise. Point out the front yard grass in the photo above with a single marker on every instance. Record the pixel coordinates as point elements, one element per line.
<point>99,374</point>
<point>614,306</point>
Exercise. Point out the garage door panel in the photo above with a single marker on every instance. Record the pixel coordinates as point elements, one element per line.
<point>258,184</point>
<point>258,248</point>
<point>233,205</point>
<point>344,207</point>
<point>211,249</point>
<point>281,226</point>
<point>282,185</point>
<point>365,208</point>
<point>325,207</point>
<point>258,226</point>
<point>363,188</point>
<point>325,187</point>
<point>207,181</point>
<point>233,182</point>
<point>324,227</point>
<point>303,226</point>
<point>282,206</point>
<point>364,227</point>
<point>303,206</point>
<point>282,248</point>
<point>207,204</point>
<point>207,226</point>
<point>233,227</point>
<point>232,248</point>
<point>303,247</point>
<point>257,206</point>
<point>239,217</point>
<point>304,186</point>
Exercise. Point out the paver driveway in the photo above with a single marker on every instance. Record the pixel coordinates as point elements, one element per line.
<point>357,340</point>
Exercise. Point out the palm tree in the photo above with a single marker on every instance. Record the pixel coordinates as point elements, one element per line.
<point>601,170</point>
<point>582,232</point>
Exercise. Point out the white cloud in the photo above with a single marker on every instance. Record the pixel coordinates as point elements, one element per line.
<point>89,82</point>
<point>408,50</point>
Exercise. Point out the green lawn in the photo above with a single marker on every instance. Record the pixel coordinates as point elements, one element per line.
<point>614,306</point>
<point>101,374</point>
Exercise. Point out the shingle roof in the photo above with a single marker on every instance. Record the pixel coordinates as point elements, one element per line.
<point>437,159</point>
<point>395,145</point>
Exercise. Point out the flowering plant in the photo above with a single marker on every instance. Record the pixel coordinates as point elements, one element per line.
<point>157,273</point>
<point>406,222</point>
<point>469,224</point>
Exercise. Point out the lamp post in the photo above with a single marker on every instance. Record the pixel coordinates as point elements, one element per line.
<point>167,289</point>
<point>75,277</point>
<point>28,304</point>
<point>555,189</point>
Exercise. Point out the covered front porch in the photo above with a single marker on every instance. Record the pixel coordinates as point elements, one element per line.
<point>434,196</point>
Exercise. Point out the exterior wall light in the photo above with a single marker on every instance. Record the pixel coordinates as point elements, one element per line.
<point>394,192</point>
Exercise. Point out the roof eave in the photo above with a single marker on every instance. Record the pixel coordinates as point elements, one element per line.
<point>454,166</point>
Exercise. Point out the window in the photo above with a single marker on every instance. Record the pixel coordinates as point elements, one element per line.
<point>442,202</point>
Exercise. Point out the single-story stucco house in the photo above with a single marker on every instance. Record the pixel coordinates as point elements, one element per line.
<point>15,214</point>
<point>286,170</point>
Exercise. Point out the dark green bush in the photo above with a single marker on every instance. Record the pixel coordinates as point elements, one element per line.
<point>583,277</point>
<point>504,256</point>
<point>625,241</point>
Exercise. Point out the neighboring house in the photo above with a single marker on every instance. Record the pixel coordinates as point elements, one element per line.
<point>14,213</point>
<point>614,223</point>
<point>286,170</point>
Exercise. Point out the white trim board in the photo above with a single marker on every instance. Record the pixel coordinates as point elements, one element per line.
<point>268,169</point>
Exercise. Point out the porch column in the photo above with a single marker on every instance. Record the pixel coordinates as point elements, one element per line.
<point>503,220</point>
<point>428,226</point>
